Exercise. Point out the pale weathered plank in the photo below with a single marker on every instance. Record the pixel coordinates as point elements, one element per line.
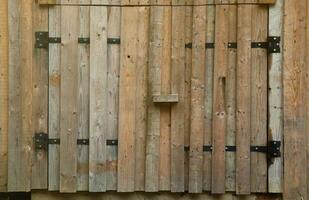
<point>188,68</point>
<point>40,98</point>
<point>20,97</point>
<point>69,98</point>
<point>142,37</point>
<point>113,59</point>
<point>275,113</point>
<point>295,70</point>
<point>243,100</point>
<point>178,87</point>
<point>54,99</point>
<point>219,100</point>
<point>197,99</point>
<point>127,107</point>
<point>98,98</point>
<point>258,80</point>
<point>230,166</point>
<point>4,95</point>
<point>83,99</point>
<point>154,85</point>
<point>210,38</point>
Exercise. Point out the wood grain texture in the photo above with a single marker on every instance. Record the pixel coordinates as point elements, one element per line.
<point>295,116</point>
<point>40,98</point>
<point>243,114</point>
<point>113,59</point>
<point>54,99</point>
<point>259,75</point>
<point>197,99</point>
<point>154,85</point>
<point>83,99</point>
<point>219,101</point>
<point>230,166</point>
<point>4,68</point>
<point>275,94</point>
<point>69,99</point>
<point>98,99</point>
<point>210,38</point>
<point>20,99</point>
<point>178,87</point>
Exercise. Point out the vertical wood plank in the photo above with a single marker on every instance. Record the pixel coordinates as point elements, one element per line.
<point>54,99</point>
<point>40,98</point>
<point>275,113</point>
<point>127,107</point>
<point>142,37</point>
<point>83,98</point>
<point>219,101</point>
<point>165,117</point>
<point>69,98</point>
<point>113,59</point>
<point>243,100</point>
<point>98,98</point>
<point>259,75</point>
<point>197,99</point>
<point>20,99</point>
<point>230,159</point>
<point>188,68</point>
<point>210,38</point>
<point>294,98</point>
<point>4,51</point>
<point>154,85</point>
<point>177,87</point>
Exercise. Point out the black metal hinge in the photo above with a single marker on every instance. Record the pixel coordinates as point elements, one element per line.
<point>272,149</point>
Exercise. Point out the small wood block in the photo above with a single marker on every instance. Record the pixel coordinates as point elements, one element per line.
<point>173,98</point>
<point>47,2</point>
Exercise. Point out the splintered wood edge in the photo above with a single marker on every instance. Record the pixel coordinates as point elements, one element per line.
<point>54,2</point>
<point>165,98</point>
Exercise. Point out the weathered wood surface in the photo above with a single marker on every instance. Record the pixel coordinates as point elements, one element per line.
<point>40,99</point>
<point>295,73</point>
<point>197,99</point>
<point>69,98</point>
<point>98,99</point>
<point>54,99</point>
<point>4,92</point>
<point>275,107</point>
<point>20,95</point>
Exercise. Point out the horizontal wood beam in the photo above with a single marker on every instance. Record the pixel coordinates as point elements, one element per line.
<point>165,98</point>
<point>160,3</point>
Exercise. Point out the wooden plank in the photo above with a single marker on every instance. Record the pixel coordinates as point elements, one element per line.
<point>127,107</point>
<point>69,98</point>
<point>142,37</point>
<point>54,99</point>
<point>178,87</point>
<point>98,98</point>
<point>113,59</point>
<point>259,75</point>
<point>165,98</point>
<point>83,99</point>
<point>210,38</point>
<point>230,166</point>
<point>219,100</point>
<point>243,114</point>
<point>154,85</point>
<point>157,3</point>
<point>295,115</point>
<point>20,99</point>
<point>188,69</point>
<point>40,98</point>
<point>4,95</point>
<point>275,113</point>
<point>197,99</point>
<point>165,116</point>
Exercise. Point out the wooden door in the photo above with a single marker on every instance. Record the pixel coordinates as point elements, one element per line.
<point>171,95</point>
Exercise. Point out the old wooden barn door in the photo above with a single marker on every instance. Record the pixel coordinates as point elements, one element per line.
<point>162,95</point>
